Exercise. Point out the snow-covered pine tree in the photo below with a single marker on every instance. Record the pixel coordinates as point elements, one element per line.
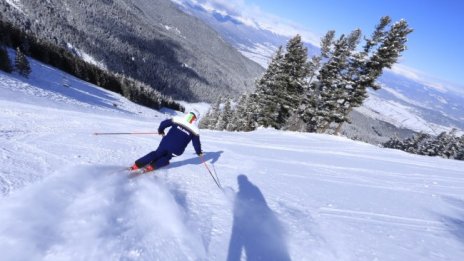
<point>270,90</point>
<point>390,46</point>
<point>205,120</point>
<point>22,64</point>
<point>414,144</point>
<point>215,114</point>
<point>460,153</point>
<point>314,64</point>
<point>446,145</point>
<point>346,94</point>
<point>361,70</point>
<point>251,113</point>
<point>5,62</point>
<point>238,119</point>
<point>449,144</point>
<point>394,143</point>
<point>428,147</point>
<point>246,113</point>
<point>438,144</point>
<point>296,72</point>
<point>332,85</point>
<point>307,118</point>
<point>378,35</point>
<point>357,68</point>
<point>224,117</point>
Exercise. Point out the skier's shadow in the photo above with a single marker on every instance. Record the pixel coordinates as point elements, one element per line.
<point>455,224</point>
<point>210,156</point>
<point>256,230</point>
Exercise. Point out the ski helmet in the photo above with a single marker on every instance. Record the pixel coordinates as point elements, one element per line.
<point>192,116</point>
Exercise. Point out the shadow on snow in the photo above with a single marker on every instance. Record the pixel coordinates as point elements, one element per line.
<point>207,156</point>
<point>455,225</point>
<point>256,229</point>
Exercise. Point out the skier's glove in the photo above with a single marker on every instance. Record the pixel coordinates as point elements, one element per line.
<point>161,133</point>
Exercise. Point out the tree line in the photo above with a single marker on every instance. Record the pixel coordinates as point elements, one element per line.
<point>317,94</point>
<point>26,43</point>
<point>21,63</point>
<point>446,144</point>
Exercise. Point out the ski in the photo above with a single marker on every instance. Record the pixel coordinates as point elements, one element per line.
<point>138,172</point>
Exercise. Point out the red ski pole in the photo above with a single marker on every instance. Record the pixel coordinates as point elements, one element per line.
<point>216,179</point>
<point>125,133</point>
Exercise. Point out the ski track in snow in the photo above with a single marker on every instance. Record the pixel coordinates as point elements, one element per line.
<point>65,195</point>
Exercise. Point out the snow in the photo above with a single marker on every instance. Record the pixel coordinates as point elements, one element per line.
<point>86,57</point>
<point>175,29</point>
<point>290,195</point>
<point>400,115</point>
<point>259,53</point>
<point>16,4</point>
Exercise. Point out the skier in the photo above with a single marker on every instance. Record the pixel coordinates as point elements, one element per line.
<point>182,131</point>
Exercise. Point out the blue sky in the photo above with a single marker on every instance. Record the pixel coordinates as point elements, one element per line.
<point>435,48</point>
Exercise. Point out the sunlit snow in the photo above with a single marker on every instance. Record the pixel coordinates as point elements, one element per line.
<point>65,195</point>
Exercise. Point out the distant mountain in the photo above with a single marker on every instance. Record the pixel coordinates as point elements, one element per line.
<point>253,41</point>
<point>432,110</point>
<point>149,40</point>
<point>402,102</point>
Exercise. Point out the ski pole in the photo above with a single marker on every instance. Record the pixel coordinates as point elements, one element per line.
<point>216,180</point>
<point>125,133</point>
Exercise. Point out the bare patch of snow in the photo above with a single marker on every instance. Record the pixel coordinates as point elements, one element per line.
<point>174,29</point>
<point>399,115</point>
<point>259,53</point>
<point>16,4</point>
<point>86,57</point>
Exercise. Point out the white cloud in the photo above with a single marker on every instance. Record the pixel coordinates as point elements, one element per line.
<point>253,15</point>
<point>429,81</point>
<point>406,71</point>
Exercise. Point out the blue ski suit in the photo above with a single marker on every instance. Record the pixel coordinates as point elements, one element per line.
<point>179,136</point>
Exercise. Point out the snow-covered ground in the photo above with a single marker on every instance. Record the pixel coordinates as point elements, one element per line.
<point>399,115</point>
<point>290,195</point>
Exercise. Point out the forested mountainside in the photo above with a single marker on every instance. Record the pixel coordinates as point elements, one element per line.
<point>152,41</point>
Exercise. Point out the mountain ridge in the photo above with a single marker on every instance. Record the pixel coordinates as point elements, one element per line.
<point>152,41</point>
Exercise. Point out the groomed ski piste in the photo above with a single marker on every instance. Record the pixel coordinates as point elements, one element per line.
<point>291,196</point>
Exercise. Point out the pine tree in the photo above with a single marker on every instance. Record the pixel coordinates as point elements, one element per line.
<point>22,64</point>
<point>270,90</point>
<point>205,120</point>
<point>251,113</point>
<point>389,50</point>
<point>378,35</point>
<point>239,119</point>
<point>308,115</point>
<point>343,79</point>
<point>460,153</point>
<point>224,117</point>
<point>296,71</point>
<point>5,62</point>
<point>315,63</point>
<point>333,85</point>
<point>214,114</point>
<point>446,145</point>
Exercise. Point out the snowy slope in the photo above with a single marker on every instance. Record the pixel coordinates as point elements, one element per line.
<point>301,196</point>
